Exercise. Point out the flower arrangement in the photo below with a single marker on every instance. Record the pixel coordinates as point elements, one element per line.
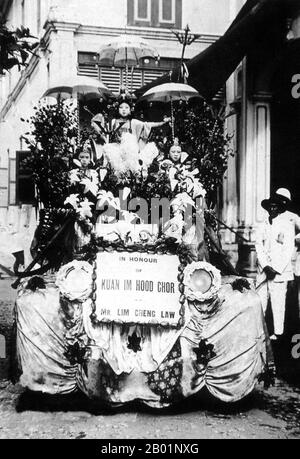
<point>202,282</point>
<point>74,281</point>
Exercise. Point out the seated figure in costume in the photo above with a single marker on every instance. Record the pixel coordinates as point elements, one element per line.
<point>84,179</point>
<point>126,146</point>
<point>177,160</point>
<point>176,155</point>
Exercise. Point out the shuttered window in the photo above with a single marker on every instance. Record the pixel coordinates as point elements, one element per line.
<point>114,78</point>
<point>154,13</point>
<point>3,186</point>
<point>25,193</point>
<point>167,11</point>
<point>142,10</point>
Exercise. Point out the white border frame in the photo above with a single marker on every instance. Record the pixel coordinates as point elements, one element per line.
<point>135,12</point>
<point>160,13</point>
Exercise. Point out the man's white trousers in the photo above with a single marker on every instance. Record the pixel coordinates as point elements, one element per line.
<point>276,291</point>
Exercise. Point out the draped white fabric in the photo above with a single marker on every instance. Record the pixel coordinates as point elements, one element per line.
<point>113,372</point>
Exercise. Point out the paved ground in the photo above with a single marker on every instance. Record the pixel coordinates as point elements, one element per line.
<point>272,414</point>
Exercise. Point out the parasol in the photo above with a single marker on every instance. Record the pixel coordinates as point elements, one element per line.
<point>126,51</point>
<point>169,93</point>
<point>81,89</point>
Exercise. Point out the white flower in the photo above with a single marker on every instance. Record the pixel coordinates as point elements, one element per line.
<point>103,173</point>
<point>125,193</point>
<point>106,197</point>
<point>181,202</point>
<point>198,189</point>
<point>74,280</point>
<point>72,200</point>
<point>89,186</point>
<point>74,177</point>
<point>84,209</point>
<point>128,217</point>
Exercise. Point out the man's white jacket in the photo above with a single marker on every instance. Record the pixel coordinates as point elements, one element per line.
<point>275,246</point>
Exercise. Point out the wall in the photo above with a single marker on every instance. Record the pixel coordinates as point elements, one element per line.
<point>206,16</point>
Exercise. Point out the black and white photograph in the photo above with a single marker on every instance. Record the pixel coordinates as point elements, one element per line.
<point>149,222</point>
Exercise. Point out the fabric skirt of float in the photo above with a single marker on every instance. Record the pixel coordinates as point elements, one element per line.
<point>160,367</point>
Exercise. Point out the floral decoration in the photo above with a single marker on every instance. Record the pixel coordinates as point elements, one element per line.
<point>193,290</point>
<point>74,280</point>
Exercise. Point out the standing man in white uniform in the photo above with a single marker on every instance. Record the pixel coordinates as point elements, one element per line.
<point>275,247</point>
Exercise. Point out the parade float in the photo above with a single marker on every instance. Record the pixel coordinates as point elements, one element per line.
<point>133,298</point>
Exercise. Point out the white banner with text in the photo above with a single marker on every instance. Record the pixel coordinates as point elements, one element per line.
<point>137,288</point>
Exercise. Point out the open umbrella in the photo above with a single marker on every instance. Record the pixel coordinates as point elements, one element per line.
<point>126,51</point>
<point>169,93</point>
<point>82,88</point>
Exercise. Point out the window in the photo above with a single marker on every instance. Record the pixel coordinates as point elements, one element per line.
<point>113,78</point>
<point>3,186</point>
<point>167,11</point>
<point>25,192</point>
<point>155,13</point>
<point>142,10</point>
<point>12,181</point>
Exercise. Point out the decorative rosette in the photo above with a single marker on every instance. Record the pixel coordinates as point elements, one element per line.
<point>202,282</point>
<point>74,281</point>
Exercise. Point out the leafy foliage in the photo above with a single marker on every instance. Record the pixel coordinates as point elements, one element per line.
<point>15,47</point>
<point>53,132</point>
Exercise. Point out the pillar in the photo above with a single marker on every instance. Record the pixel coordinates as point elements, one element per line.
<point>254,168</point>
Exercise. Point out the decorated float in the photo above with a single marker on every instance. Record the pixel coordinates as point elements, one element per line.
<point>133,298</point>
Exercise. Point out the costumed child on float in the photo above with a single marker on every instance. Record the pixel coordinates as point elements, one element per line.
<point>126,145</point>
<point>84,179</point>
<point>84,187</point>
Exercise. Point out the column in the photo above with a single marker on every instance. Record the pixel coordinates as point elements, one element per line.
<point>254,170</point>
<point>63,57</point>
<point>257,161</point>
<point>230,183</point>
